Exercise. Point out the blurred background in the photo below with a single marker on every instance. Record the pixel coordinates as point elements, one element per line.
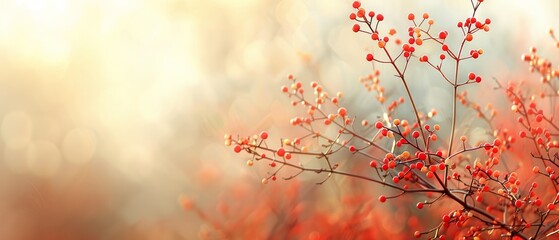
<point>111,110</point>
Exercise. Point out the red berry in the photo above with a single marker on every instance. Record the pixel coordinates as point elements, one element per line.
<point>380,17</point>
<point>280,152</point>
<point>342,112</point>
<point>385,167</point>
<point>479,24</point>
<point>356,4</point>
<point>384,132</point>
<point>373,164</point>
<point>443,34</point>
<point>422,156</point>
<point>518,204</point>
<point>432,168</point>
<point>415,134</point>
<point>550,206</point>
<point>497,142</point>
<point>538,202</point>
<point>479,198</point>
<point>378,125</point>
<point>419,205</point>
<point>237,148</point>
<point>475,54</point>
<point>411,16</point>
<point>382,198</point>
<point>356,28</point>
<point>445,47</point>
<point>264,135</point>
<point>471,76</point>
<point>352,148</point>
<point>370,57</point>
<point>352,16</point>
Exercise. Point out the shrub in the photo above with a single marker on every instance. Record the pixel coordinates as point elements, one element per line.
<point>463,188</point>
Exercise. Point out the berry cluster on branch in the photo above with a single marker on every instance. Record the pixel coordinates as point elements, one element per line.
<point>411,156</point>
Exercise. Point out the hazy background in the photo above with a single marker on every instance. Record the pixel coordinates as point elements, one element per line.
<point>110,110</point>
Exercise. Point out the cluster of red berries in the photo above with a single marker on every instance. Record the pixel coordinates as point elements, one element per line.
<point>406,155</point>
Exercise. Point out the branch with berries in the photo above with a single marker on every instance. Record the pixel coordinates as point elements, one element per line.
<point>404,149</point>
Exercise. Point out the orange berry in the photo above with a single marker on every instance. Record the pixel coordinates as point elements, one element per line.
<point>536,169</point>
<point>381,44</point>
